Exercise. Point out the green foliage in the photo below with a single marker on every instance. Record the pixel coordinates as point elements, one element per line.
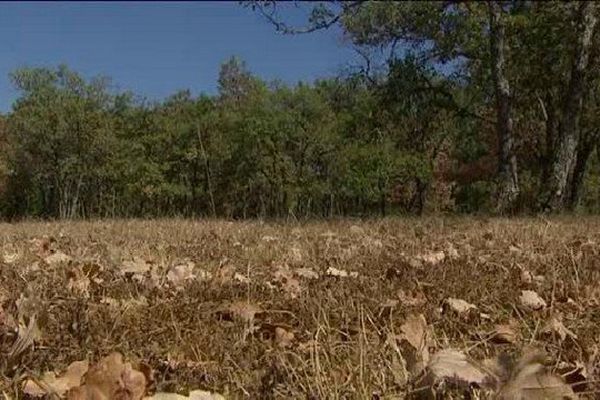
<point>421,131</point>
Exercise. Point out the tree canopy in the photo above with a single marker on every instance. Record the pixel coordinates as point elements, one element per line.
<point>475,107</point>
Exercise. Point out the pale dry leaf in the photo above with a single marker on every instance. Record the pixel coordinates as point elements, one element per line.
<point>283,337</point>
<point>241,278</point>
<point>451,252</point>
<point>532,300</point>
<point>10,257</point>
<point>111,378</point>
<point>58,257</point>
<point>526,276</point>
<point>415,332</point>
<point>137,266</point>
<point>531,380</point>
<point>295,255</point>
<point>455,367</point>
<point>180,274</point>
<point>284,277</point>
<point>432,258</point>
<point>340,273</point>
<point>514,249</point>
<point>504,334</point>
<point>79,282</point>
<point>412,298</point>
<point>27,335</point>
<point>459,306</point>
<point>306,273</point>
<point>555,326</point>
<point>244,311</point>
<point>194,395</point>
<point>50,384</point>
<point>356,230</point>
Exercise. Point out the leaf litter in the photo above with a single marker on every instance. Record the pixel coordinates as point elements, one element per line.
<point>149,305</point>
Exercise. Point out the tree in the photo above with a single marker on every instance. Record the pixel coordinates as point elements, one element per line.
<point>565,154</point>
<point>508,184</point>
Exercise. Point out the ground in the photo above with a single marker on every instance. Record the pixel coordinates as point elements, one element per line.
<point>343,309</point>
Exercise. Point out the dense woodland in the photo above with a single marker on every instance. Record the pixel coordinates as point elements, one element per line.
<point>486,107</point>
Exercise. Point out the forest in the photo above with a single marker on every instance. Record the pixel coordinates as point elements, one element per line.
<point>457,107</point>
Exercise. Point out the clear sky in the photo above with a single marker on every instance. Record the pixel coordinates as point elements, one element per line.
<point>157,48</point>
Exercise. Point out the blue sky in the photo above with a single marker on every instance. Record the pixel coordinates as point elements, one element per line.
<point>157,48</point>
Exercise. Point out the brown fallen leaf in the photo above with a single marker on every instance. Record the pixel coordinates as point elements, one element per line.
<point>58,257</point>
<point>283,337</point>
<point>531,300</point>
<point>243,311</point>
<point>432,258</point>
<point>415,332</point>
<point>306,273</point>
<point>194,395</point>
<point>10,257</point>
<point>137,266</point>
<point>284,277</point>
<point>504,334</point>
<point>340,273</point>
<point>412,298</point>
<point>459,306</point>
<point>78,282</point>
<point>454,367</point>
<point>531,380</point>
<point>111,378</point>
<point>180,274</point>
<point>555,326</point>
<point>50,384</point>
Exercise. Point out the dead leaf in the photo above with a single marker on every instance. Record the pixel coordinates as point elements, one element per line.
<point>194,395</point>
<point>451,252</point>
<point>459,306</point>
<point>526,277</point>
<point>50,384</point>
<point>555,325</point>
<point>78,282</point>
<point>532,300</point>
<point>180,274</point>
<point>340,273</point>
<point>306,273</point>
<point>504,334</point>
<point>455,367</point>
<point>531,380</point>
<point>356,230</point>
<point>244,311</point>
<point>284,277</point>
<point>432,258</point>
<point>137,266</point>
<point>415,332</point>
<point>412,298</point>
<point>11,257</point>
<point>27,335</point>
<point>295,255</point>
<point>283,337</point>
<point>241,278</point>
<point>111,378</point>
<point>58,257</point>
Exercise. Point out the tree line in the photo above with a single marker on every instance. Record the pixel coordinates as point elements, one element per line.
<point>458,107</point>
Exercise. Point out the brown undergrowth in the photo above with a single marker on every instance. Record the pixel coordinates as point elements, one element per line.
<point>390,309</point>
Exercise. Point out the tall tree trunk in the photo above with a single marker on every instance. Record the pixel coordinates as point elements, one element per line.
<point>586,147</point>
<point>508,181</point>
<point>555,194</point>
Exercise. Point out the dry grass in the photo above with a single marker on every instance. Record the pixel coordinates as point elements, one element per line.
<point>340,324</point>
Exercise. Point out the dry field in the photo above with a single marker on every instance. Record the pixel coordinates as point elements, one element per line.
<point>400,308</point>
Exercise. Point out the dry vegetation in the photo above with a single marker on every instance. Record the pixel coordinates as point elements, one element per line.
<point>453,308</point>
